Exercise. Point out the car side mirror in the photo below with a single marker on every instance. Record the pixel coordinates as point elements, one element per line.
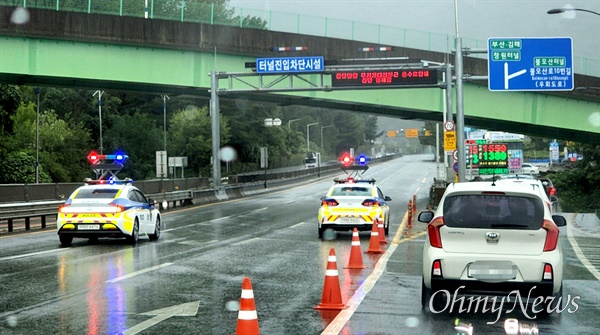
<point>425,216</point>
<point>559,220</point>
<point>553,198</point>
<point>387,198</point>
<point>152,202</point>
<point>322,198</point>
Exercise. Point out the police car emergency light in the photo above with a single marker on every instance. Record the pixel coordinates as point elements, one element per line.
<point>110,181</point>
<point>107,166</point>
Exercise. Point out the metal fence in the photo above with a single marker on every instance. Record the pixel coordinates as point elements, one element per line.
<point>14,193</point>
<point>185,11</point>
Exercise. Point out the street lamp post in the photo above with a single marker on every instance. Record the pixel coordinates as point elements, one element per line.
<point>269,122</point>
<point>290,121</point>
<point>100,115</point>
<point>323,127</point>
<point>37,137</point>
<point>308,135</point>
<point>165,98</point>
<point>562,10</point>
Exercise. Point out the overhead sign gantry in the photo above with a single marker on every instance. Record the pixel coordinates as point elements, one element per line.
<point>313,73</point>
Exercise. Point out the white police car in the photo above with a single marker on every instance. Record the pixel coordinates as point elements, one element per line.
<point>353,202</point>
<point>108,208</point>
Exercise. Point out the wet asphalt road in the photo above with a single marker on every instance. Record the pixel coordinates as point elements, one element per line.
<point>189,281</point>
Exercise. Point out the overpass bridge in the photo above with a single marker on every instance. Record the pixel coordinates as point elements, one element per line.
<point>96,51</point>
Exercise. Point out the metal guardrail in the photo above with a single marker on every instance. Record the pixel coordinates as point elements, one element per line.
<point>27,211</point>
<point>244,185</point>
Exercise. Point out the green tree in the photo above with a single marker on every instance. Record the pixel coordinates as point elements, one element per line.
<point>63,145</point>
<point>191,137</point>
<point>10,99</point>
<point>138,137</point>
<point>579,187</point>
<point>19,168</point>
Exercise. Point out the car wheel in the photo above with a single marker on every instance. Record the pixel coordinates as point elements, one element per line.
<point>438,302</point>
<point>135,234</point>
<point>156,235</point>
<point>321,232</point>
<point>555,304</point>
<point>386,229</point>
<point>425,295</point>
<point>65,240</point>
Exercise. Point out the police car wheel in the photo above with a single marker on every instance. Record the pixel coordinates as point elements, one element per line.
<point>156,235</point>
<point>65,240</point>
<point>321,232</point>
<point>135,234</point>
<point>386,229</point>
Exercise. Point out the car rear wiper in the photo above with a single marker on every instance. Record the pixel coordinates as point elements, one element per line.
<point>508,225</point>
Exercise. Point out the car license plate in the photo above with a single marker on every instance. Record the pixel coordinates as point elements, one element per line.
<point>349,220</point>
<point>88,227</point>
<point>86,215</point>
<point>492,271</point>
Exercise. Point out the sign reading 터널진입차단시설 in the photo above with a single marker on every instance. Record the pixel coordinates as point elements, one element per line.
<point>290,64</point>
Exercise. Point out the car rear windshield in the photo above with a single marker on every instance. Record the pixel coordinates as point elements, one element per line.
<point>493,211</point>
<point>351,191</point>
<point>106,193</point>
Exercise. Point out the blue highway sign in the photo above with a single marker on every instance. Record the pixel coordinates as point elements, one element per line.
<point>530,64</point>
<point>290,64</point>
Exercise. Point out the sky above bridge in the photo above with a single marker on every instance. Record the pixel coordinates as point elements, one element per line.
<point>477,19</point>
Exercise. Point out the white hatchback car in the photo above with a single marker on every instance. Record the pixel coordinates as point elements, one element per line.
<point>537,186</point>
<point>490,239</point>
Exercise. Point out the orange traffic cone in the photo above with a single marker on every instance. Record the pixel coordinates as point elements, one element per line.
<point>355,261</point>
<point>247,323</point>
<point>332,294</point>
<point>374,244</point>
<point>381,232</point>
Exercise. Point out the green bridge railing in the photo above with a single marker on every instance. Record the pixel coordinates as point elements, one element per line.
<point>184,11</point>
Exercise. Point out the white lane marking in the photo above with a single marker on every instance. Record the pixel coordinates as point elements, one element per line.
<point>578,251</point>
<point>298,224</point>
<point>198,243</point>
<point>336,326</point>
<point>247,241</point>
<point>258,210</point>
<point>197,224</point>
<point>32,254</point>
<point>185,309</point>
<point>136,273</point>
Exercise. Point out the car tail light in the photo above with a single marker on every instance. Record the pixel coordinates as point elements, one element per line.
<point>329,202</point>
<point>119,207</point>
<point>552,191</point>
<point>370,203</point>
<point>437,268</point>
<point>551,235</point>
<point>433,230</point>
<point>547,272</point>
<point>60,208</point>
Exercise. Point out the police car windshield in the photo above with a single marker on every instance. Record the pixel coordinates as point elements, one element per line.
<point>351,191</point>
<point>106,193</point>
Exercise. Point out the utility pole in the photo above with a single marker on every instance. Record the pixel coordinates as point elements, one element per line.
<point>100,115</point>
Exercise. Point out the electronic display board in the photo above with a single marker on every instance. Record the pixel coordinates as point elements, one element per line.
<point>490,158</point>
<point>384,78</point>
